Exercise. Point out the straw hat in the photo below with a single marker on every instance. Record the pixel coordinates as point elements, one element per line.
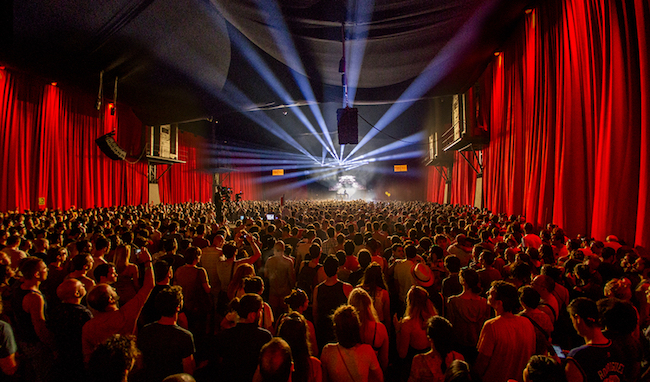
<point>422,275</point>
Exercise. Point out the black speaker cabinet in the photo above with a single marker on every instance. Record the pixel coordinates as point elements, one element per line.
<point>109,147</point>
<point>348,125</point>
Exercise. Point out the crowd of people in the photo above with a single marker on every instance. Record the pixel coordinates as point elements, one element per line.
<point>316,291</point>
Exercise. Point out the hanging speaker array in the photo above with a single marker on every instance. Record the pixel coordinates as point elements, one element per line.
<point>109,147</point>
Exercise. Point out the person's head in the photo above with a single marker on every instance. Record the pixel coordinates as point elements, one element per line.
<point>276,362</point>
<point>584,313</point>
<point>218,241</point>
<point>331,266</point>
<point>347,326</point>
<point>411,251</point>
<point>162,271</point>
<point>365,258</point>
<point>296,300</point>
<point>529,297</point>
<point>57,255</point>
<point>82,262</point>
<point>503,296</point>
<point>33,268</point>
<point>112,360</point>
<point>101,297</point>
<point>254,284</point>
<point>543,284</point>
<point>293,329</point>
<point>314,251</point>
<point>486,258</point>
<point>459,371</point>
<point>361,301</point>
<point>192,255</point>
<point>105,273</point>
<point>180,377</point>
<point>373,278</point>
<point>618,288</point>
<point>41,244</point>
<point>229,250</point>
<point>418,304</point>
<point>452,263</point>
<point>441,335</point>
<point>618,317</point>
<point>70,291</point>
<point>169,301</point>
<point>122,257</point>
<point>582,272</point>
<point>13,241</point>
<point>397,250</point>
<point>278,248</point>
<point>541,368</point>
<point>102,244</point>
<point>242,271</point>
<point>248,307</point>
<point>348,247</point>
<point>470,280</point>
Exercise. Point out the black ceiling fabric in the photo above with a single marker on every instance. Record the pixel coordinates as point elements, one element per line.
<point>180,61</point>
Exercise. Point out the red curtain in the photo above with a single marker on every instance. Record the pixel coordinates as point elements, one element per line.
<point>245,182</point>
<point>464,178</point>
<point>642,14</point>
<point>186,182</point>
<point>568,112</point>
<point>436,184</point>
<point>49,155</point>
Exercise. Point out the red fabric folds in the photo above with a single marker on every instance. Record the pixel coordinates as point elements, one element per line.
<point>48,152</point>
<point>244,182</point>
<point>436,184</point>
<point>186,182</point>
<point>568,112</point>
<point>47,140</point>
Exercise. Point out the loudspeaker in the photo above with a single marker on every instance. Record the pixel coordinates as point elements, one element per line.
<point>348,125</point>
<point>109,147</point>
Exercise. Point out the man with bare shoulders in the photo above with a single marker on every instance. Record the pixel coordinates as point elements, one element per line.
<point>34,339</point>
<point>110,318</point>
<point>66,322</point>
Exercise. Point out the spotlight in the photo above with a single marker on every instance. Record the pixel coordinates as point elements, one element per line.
<point>111,108</point>
<point>529,11</point>
<point>496,54</point>
<point>53,83</point>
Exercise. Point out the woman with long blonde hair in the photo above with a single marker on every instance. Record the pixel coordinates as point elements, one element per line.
<point>373,282</point>
<point>411,329</point>
<point>373,332</point>
<point>127,284</point>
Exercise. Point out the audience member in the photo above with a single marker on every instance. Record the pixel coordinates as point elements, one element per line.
<point>432,365</point>
<point>238,348</point>
<point>113,359</point>
<point>349,360</point>
<point>66,321</point>
<point>166,347</point>
<point>506,341</point>
<point>109,318</point>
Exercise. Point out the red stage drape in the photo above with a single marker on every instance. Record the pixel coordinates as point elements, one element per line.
<point>436,184</point>
<point>244,182</point>
<point>463,191</point>
<point>48,151</point>
<point>186,182</point>
<point>47,140</point>
<point>567,108</point>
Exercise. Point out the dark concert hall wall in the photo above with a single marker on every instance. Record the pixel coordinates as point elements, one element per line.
<point>48,152</point>
<point>568,108</point>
